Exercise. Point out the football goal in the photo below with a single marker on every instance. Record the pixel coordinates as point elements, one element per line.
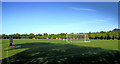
<point>77,38</point>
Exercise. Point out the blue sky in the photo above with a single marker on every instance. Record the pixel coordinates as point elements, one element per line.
<point>58,17</point>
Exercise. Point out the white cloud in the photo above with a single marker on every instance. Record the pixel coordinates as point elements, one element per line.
<point>83,9</point>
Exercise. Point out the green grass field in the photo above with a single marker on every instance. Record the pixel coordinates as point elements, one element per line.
<point>59,51</point>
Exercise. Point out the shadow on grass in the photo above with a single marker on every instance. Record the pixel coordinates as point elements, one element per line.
<point>45,52</point>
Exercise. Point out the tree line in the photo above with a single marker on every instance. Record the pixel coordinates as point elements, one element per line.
<point>114,34</point>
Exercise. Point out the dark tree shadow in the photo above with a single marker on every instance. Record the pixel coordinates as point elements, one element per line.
<point>45,52</point>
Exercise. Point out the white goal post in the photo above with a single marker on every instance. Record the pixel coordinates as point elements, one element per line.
<point>77,38</point>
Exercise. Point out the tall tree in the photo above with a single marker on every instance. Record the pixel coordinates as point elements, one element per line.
<point>93,35</point>
<point>4,36</point>
<point>45,34</point>
<point>31,35</point>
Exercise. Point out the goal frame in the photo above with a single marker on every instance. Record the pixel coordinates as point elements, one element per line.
<point>85,36</point>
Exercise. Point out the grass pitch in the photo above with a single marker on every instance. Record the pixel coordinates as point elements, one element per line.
<point>40,51</point>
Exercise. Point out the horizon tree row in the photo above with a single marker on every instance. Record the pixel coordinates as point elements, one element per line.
<point>114,34</point>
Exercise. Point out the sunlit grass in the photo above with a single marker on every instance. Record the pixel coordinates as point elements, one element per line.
<point>38,48</point>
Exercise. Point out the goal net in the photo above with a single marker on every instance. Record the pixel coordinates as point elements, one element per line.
<point>77,38</point>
